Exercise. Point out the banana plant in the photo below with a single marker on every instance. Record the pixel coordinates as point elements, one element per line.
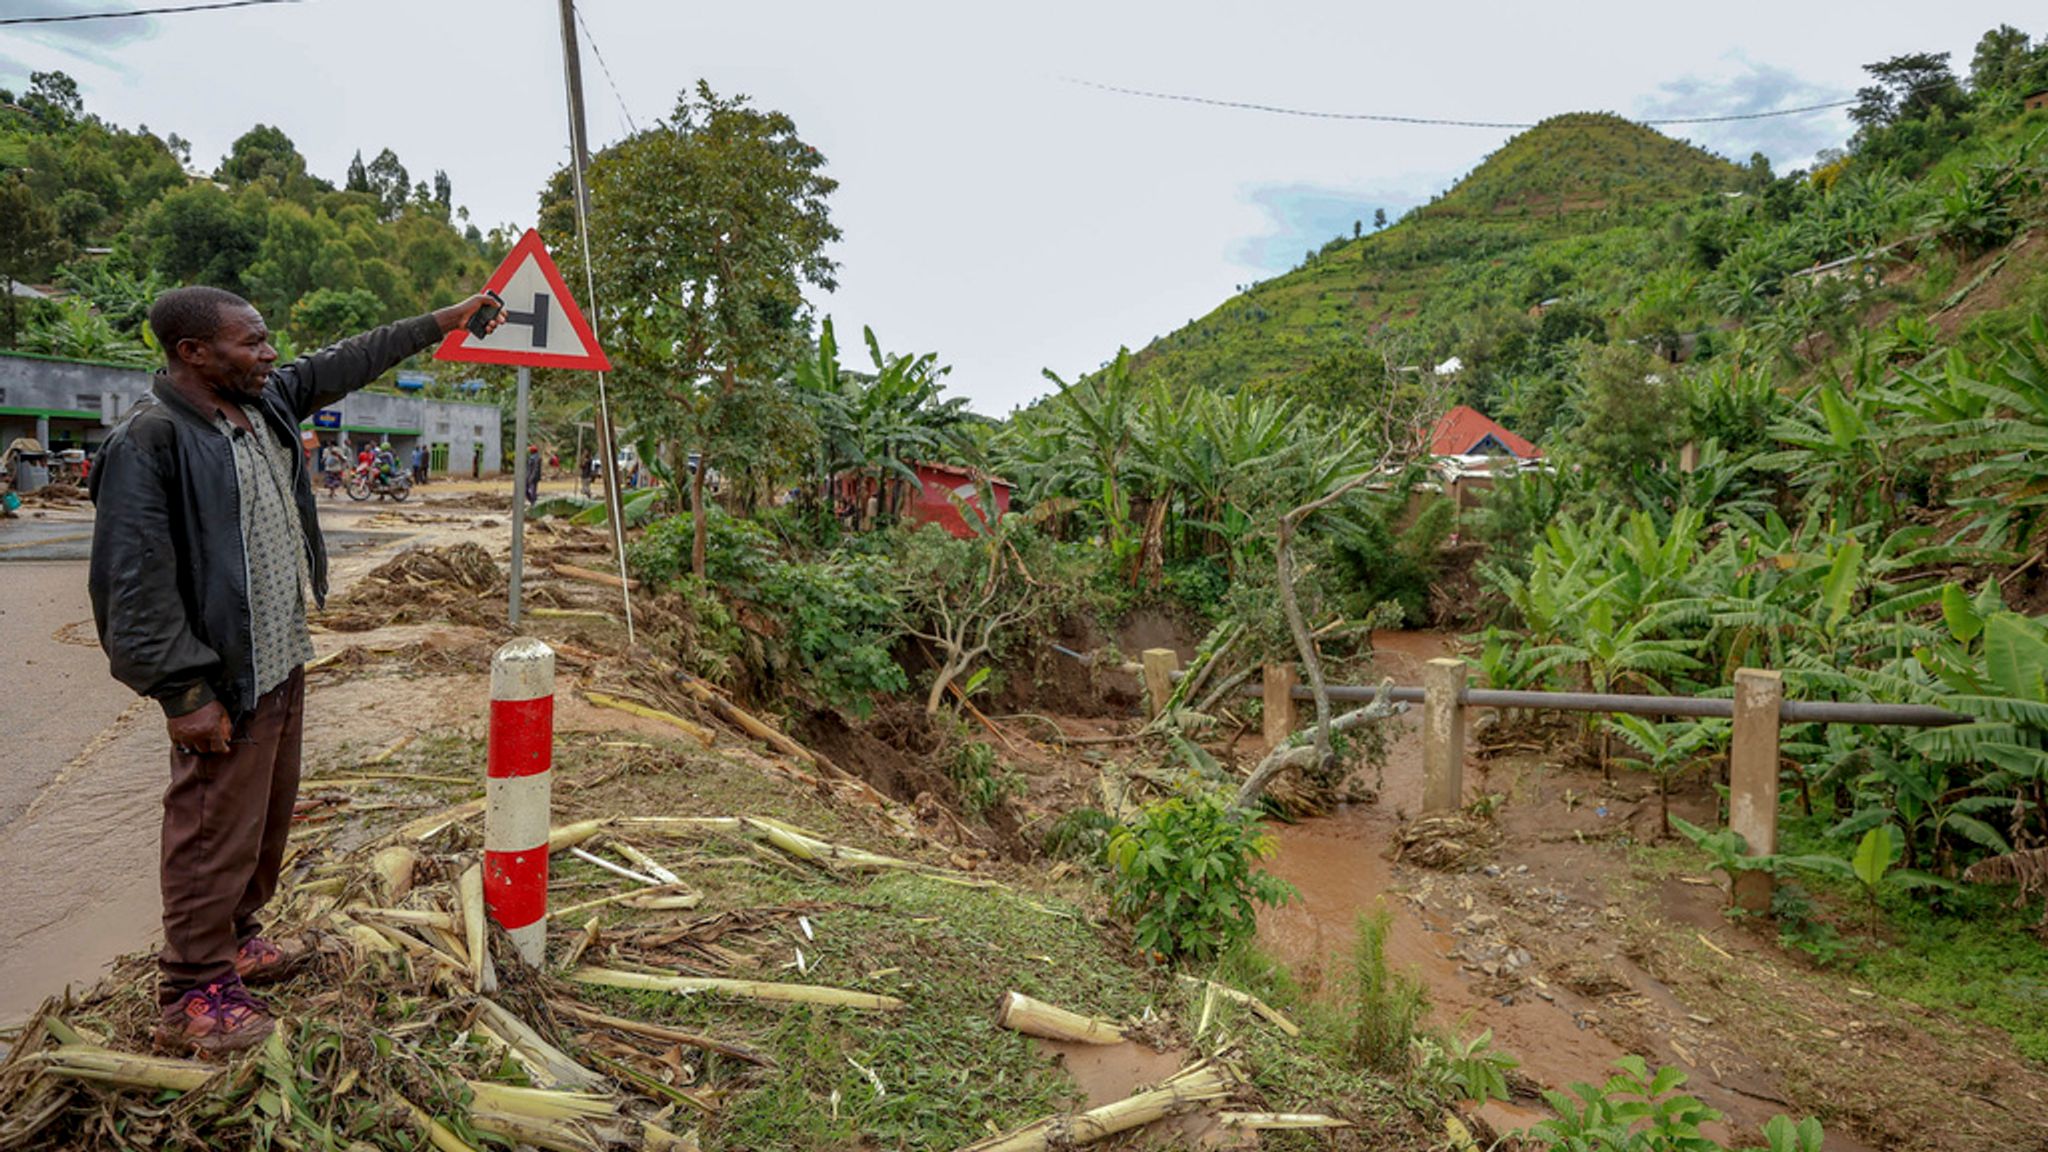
<point>1873,870</point>
<point>1671,747</point>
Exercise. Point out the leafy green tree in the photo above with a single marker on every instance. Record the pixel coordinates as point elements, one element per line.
<point>263,153</point>
<point>201,235</point>
<point>389,183</point>
<point>325,315</point>
<point>2003,61</point>
<point>358,179</point>
<point>30,243</point>
<point>1912,88</point>
<point>288,258</point>
<point>1624,403</point>
<point>1379,219</point>
<point>1185,872</point>
<point>705,231</point>
<point>52,101</point>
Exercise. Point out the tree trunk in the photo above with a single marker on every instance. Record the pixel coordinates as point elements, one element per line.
<point>1304,642</point>
<point>697,514</point>
<point>948,672</point>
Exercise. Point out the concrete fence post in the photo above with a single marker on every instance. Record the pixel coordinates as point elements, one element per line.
<point>1689,457</point>
<point>1753,778</point>
<point>1443,735</point>
<point>1280,713</point>
<point>1160,665</point>
<point>517,793</point>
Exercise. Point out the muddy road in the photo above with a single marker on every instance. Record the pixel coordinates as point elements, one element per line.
<point>84,767</point>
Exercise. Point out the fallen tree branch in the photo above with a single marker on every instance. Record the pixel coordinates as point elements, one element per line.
<point>1303,755</point>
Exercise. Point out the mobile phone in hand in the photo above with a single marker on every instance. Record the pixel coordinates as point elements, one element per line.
<point>482,316</point>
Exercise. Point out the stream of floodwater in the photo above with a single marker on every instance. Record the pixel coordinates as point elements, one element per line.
<point>1338,863</point>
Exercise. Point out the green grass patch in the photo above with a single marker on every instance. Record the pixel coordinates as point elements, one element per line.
<point>1980,961</point>
<point>946,1071</point>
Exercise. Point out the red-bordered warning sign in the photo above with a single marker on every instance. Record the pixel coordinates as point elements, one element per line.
<point>543,328</point>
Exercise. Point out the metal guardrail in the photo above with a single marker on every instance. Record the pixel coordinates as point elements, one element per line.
<point>1702,707</point>
<point>1758,711</point>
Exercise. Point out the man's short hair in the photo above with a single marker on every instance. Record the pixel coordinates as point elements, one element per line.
<point>189,314</point>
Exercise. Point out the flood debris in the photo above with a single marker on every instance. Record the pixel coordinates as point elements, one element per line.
<point>1260,1008</point>
<point>1188,1090</point>
<point>740,989</point>
<point>1021,1013</point>
<point>1449,842</point>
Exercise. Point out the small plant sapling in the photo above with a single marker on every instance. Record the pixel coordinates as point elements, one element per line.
<point>1671,748</point>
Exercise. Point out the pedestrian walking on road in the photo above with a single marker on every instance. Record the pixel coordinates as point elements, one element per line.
<point>476,462</point>
<point>205,540</point>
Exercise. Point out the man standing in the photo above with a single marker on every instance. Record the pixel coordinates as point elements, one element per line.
<point>332,462</point>
<point>205,540</point>
<point>532,474</point>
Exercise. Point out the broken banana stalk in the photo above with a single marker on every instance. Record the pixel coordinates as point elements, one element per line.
<point>743,989</point>
<point>1280,1121</point>
<point>1185,1091</point>
<point>1259,1007</point>
<point>1020,1013</point>
<point>790,840</point>
<point>92,1062</point>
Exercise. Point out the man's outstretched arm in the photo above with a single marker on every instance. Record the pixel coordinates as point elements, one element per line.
<point>320,378</point>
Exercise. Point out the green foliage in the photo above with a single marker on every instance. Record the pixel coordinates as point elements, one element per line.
<point>1638,1110</point>
<point>29,241</point>
<point>1184,873</point>
<point>1800,930</point>
<point>1383,1008</point>
<point>1081,834</point>
<point>1669,748</point>
<point>1453,1070</point>
<point>1980,961</point>
<point>705,230</point>
<point>835,613</point>
<point>980,779</point>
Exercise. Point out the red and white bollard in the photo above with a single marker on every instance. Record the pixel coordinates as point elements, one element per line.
<point>517,793</point>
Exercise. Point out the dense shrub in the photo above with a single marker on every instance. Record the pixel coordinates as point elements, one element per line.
<point>1184,874</point>
<point>835,615</point>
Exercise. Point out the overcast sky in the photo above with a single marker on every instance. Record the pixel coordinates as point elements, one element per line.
<point>995,211</point>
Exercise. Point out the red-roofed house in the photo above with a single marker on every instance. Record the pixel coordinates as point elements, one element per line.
<point>1466,431</point>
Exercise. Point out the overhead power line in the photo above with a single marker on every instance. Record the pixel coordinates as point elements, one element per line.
<point>607,69</point>
<point>1382,118</point>
<point>169,10</point>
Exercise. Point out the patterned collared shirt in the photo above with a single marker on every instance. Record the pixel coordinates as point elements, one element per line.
<point>273,551</point>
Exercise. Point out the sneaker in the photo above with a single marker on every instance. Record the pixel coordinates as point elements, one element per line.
<point>260,961</point>
<point>213,1021</point>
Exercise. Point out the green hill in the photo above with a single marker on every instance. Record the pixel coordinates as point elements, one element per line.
<point>1576,192</point>
<point>1584,161</point>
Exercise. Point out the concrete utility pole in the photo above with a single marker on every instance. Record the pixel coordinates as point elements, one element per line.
<point>579,149</point>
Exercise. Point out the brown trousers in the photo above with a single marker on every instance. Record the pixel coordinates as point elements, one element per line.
<point>226,818</point>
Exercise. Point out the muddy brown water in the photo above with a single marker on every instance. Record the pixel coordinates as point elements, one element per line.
<point>1338,865</point>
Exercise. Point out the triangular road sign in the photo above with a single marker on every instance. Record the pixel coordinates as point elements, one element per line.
<point>543,328</point>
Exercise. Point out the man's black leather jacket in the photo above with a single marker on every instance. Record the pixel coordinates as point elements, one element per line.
<point>168,579</point>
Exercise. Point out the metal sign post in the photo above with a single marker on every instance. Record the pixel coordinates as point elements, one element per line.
<point>518,497</point>
<point>552,333</point>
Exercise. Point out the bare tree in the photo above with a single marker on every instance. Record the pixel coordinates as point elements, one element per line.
<point>1402,424</point>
